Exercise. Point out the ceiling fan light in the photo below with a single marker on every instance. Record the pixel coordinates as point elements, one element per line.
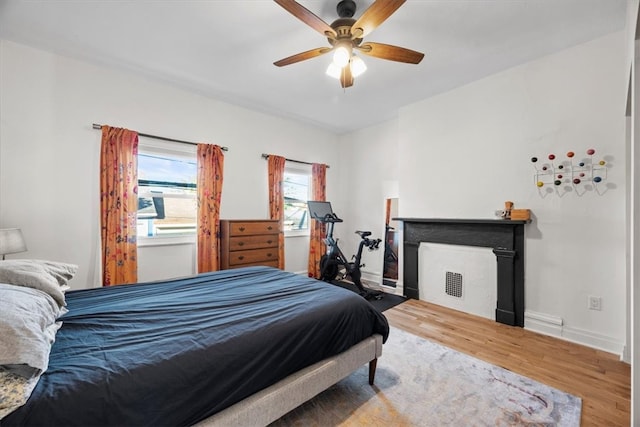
<point>341,56</point>
<point>357,66</point>
<point>334,71</point>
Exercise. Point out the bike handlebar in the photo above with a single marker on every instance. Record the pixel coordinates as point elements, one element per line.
<point>330,217</point>
<point>372,244</point>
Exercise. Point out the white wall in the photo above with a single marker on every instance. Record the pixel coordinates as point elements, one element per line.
<point>459,154</point>
<point>369,176</point>
<point>49,153</point>
<point>633,200</point>
<point>634,237</point>
<point>465,152</point>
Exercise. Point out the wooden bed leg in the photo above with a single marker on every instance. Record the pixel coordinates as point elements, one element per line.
<point>372,370</point>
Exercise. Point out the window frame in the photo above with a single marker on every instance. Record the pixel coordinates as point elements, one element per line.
<point>174,150</point>
<point>300,169</point>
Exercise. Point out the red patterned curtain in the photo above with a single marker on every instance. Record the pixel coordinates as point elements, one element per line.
<point>210,169</point>
<point>276,198</point>
<point>317,229</point>
<point>119,205</point>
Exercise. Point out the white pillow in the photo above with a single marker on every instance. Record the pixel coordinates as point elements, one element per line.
<point>28,328</point>
<point>47,276</point>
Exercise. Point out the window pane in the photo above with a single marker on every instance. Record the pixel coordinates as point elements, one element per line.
<point>296,186</point>
<point>170,171</point>
<point>296,193</point>
<point>295,215</point>
<point>166,195</point>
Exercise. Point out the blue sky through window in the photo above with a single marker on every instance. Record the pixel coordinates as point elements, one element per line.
<point>157,168</point>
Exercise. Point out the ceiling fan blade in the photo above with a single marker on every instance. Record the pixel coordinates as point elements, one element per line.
<point>346,78</point>
<point>375,15</point>
<point>302,56</point>
<point>308,17</point>
<point>390,52</point>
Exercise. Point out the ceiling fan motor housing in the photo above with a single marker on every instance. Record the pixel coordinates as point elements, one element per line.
<point>342,36</point>
<point>342,27</point>
<point>346,8</point>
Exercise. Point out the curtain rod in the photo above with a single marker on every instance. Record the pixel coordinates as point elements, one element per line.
<point>266,156</point>
<point>163,138</point>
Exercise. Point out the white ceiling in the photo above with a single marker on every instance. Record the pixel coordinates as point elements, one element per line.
<point>226,49</point>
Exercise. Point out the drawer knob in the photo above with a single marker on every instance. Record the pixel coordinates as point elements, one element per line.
<point>269,228</point>
<point>241,257</point>
<point>269,254</point>
<point>240,243</point>
<point>241,228</point>
<point>269,241</point>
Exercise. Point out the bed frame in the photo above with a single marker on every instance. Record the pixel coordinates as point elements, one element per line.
<point>268,405</point>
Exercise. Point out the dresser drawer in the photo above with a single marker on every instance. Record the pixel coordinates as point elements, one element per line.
<point>251,228</point>
<point>260,263</point>
<point>257,241</point>
<point>253,255</point>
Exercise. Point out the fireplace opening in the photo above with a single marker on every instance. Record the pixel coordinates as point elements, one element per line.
<point>459,277</point>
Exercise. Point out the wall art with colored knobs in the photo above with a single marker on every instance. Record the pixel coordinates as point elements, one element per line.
<point>555,174</point>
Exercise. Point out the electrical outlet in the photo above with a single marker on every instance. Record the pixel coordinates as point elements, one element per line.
<point>594,303</point>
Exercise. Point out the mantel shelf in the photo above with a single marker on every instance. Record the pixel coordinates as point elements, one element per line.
<point>464,221</point>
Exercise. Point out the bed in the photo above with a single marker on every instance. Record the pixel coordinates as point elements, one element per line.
<point>235,347</point>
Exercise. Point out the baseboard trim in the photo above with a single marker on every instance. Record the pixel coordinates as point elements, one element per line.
<point>374,280</point>
<point>371,280</point>
<point>372,277</point>
<point>626,355</point>
<point>554,326</point>
<point>592,339</point>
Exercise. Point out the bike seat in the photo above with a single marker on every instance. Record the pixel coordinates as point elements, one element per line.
<point>363,234</point>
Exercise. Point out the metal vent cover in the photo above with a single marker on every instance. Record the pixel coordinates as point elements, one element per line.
<point>453,284</point>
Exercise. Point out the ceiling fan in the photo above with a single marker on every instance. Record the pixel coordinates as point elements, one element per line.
<point>345,36</point>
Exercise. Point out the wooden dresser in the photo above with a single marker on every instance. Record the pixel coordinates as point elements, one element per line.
<point>246,242</point>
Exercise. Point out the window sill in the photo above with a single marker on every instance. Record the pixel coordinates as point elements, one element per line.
<point>144,241</point>
<point>301,233</point>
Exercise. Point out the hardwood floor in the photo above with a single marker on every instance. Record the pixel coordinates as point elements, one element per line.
<point>598,377</point>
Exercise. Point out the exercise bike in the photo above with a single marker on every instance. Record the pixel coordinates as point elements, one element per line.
<point>333,264</point>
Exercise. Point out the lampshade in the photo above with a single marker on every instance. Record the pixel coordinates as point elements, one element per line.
<point>357,66</point>
<point>11,241</point>
<point>342,54</point>
<point>334,71</point>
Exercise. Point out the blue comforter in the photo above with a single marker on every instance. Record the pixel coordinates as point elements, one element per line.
<point>176,352</point>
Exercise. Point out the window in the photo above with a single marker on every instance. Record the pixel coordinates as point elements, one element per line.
<point>296,189</point>
<point>167,204</point>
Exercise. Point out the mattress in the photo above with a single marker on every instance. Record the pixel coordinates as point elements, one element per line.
<point>179,351</point>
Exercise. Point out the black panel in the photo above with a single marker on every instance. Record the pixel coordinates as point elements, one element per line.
<point>411,270</point>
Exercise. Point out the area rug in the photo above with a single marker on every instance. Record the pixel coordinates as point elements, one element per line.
<point>421,383</point>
